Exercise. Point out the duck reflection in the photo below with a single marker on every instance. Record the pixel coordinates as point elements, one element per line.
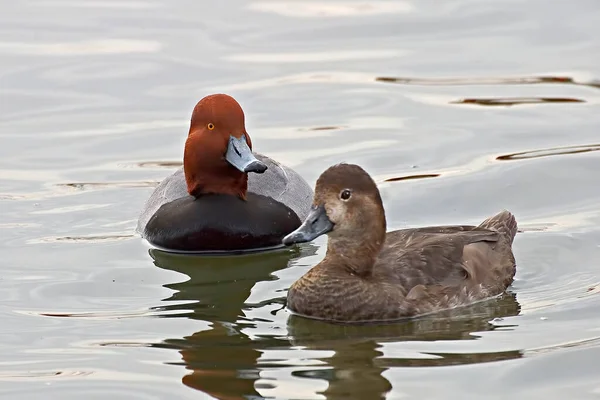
<point>357,367</point>
<point>222,360</point>
<point>225,363</point>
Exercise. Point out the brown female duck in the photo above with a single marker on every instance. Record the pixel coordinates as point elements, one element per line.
<point>368,275</point>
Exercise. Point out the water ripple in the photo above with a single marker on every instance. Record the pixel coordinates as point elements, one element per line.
<point>515,101</point>
<point>466,81</point>
<point>315,57</point>
<point>411,177</point>
<point>483,162</point>
<point>553,151</point>
<point>97,315</point>
<point>83,239</point>
<point>33,375</point>
<point>153,164</point>
<point>97,374</point>
<point>106,185</point>
<point>345,77</point>
<point>313,9</point>
<point>589,342</point>
<point>91,47</point>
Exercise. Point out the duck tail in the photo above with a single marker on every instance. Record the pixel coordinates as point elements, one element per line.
<point>503,222</point>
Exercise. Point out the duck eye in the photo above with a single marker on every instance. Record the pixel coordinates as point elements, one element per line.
<point>210,126</point>
<point>345,194</point>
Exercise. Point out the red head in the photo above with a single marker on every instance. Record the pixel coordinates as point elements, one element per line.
<point>218,150</point>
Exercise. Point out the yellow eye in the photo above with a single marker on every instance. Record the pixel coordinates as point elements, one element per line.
<point>211,126</point>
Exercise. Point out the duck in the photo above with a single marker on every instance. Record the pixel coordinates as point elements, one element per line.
<point>225,198</point>
<point>370,275</point>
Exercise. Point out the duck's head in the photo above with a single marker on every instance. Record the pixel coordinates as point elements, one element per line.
<point>218,151</point>
<point>347,207</point>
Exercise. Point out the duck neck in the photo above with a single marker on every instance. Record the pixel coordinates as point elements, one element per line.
<point>358,252</point>
<point>206,173</point>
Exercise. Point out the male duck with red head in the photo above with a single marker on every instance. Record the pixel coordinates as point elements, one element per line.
<point>225,198</point>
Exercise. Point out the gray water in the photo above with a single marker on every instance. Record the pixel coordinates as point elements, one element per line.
<point>485,105</point>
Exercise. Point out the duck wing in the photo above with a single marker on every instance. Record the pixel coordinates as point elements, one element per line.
<point>171,188</point>
<point>451,255</point>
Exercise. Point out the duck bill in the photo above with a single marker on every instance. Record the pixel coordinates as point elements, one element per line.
<point>240,156</point>
<point>316,224</point>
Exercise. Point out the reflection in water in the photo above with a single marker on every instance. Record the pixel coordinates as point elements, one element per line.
<point>324,128</point>
<point>515,101</point>
<point>555,151</point>
<point>223,360</point>
<point>356,368</point>
<point>226,363</point>
<point>532,80</point>
<point>219,285</point>
<point>454,324</point>
<point>157,164</point>
<point>500,101</point>
<point>411,177</point>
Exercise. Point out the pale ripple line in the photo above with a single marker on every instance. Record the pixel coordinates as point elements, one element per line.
<point>561,222</point>
<point>124,344</point>
<point>153,164</point>
<point>481,163</point>
<point>551,296</point>
<point>83,239</point>
<point>18,375</point>
<point>550,223</point>
<point>70,209</point>
<point>552,151</point>
<point>120,223</point>
<point>97,374</point>
<point>114,129</point>
<point>89,47</point>
<point>590,342</point>
<point>338,9</point>
<point>341,77</point>
<point>106,185</point>
<point>87,348</point>
<point>121,5</point>
<point>124,128</point>
<point>75,188</point>
<point>20,225</point>
<point>82,100</point>
<point>99,315</point>
<point>295,157</point>
<point>314,57</point>
<point>489,81</point>
<point>475,165</point>
<point>515,101</point>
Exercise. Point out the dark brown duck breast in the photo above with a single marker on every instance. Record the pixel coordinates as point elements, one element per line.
<point>368,275</point>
